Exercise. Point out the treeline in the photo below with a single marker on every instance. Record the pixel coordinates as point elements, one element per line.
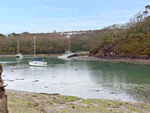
<point>46,43</point>
<point>128,40</point>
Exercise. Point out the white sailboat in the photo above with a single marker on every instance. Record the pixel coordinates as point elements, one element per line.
<point>37,61</point>
<point>19,55</point>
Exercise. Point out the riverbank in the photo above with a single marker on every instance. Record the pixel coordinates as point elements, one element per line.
<point>39,55</point>
<point>44,55</point>
<point>21,101</point>
<point>84,56</point>
<point>121,60</point>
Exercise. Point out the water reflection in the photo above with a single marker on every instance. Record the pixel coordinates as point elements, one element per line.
<point>19,60</point>
<point>32,68</point>
<point>119,73</point>
<point>122,78</point>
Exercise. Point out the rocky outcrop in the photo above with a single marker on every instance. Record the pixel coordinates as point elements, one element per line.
<point>105,52</point>
<point>3,96</point>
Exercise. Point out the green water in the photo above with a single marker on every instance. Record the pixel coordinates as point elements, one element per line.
<point>85,79</point>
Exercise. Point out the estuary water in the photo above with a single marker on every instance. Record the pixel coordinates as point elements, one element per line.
<point>81,78</point>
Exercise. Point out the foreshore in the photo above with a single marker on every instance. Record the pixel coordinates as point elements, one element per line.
<point>30,102</point>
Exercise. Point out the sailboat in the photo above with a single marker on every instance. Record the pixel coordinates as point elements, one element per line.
<point>19,55</point>
<point>37,61</point>
<point>67,53</point>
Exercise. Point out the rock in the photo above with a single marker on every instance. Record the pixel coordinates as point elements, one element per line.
<point>62,102</point>
<point>55,94</point>
<point>3,96</point>
<point>112,92</point>
<point>73,107</point>
<point>36,81</point>
<point>19,79</point>
<point>35,104</point>
<point>34,96</point>
<point>117,106</point>
<point>71,103</point>
<point>11,80</point>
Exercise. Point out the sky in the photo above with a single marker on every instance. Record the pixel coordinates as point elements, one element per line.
<point>43,16</point>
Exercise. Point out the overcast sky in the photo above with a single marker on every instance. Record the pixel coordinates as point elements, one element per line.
<point>65,15</point>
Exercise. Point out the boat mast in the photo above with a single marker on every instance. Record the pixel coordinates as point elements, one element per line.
<point>18,47</point>
<point>69,43</point>
<point>34,48</point>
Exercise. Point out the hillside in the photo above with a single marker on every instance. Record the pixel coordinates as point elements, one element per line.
<point>128,40</point>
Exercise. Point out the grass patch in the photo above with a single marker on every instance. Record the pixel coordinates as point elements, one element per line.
<point>68,98</point>
<point>133,109</point>
<point>147,107</point>
<point>16,105</point>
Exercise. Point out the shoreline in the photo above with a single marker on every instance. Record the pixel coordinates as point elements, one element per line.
<point>23,101</point>
<point>28,55</point>
<point>121,60</point>
<point>84,56</point>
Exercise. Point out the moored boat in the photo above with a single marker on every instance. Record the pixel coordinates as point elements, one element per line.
<point>37,61</point>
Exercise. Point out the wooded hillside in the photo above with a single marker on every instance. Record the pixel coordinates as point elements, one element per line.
<point>130,40</point>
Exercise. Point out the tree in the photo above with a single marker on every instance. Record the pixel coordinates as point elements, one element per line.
<point>1,35</point>
<point>145,13</point>
<point>26,32</point>
<point>13,34</point>
<point>147,7</point>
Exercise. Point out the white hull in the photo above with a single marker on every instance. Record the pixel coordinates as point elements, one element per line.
<point>19,56</point>
<point>66,56</point>
<point>38,63</point>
